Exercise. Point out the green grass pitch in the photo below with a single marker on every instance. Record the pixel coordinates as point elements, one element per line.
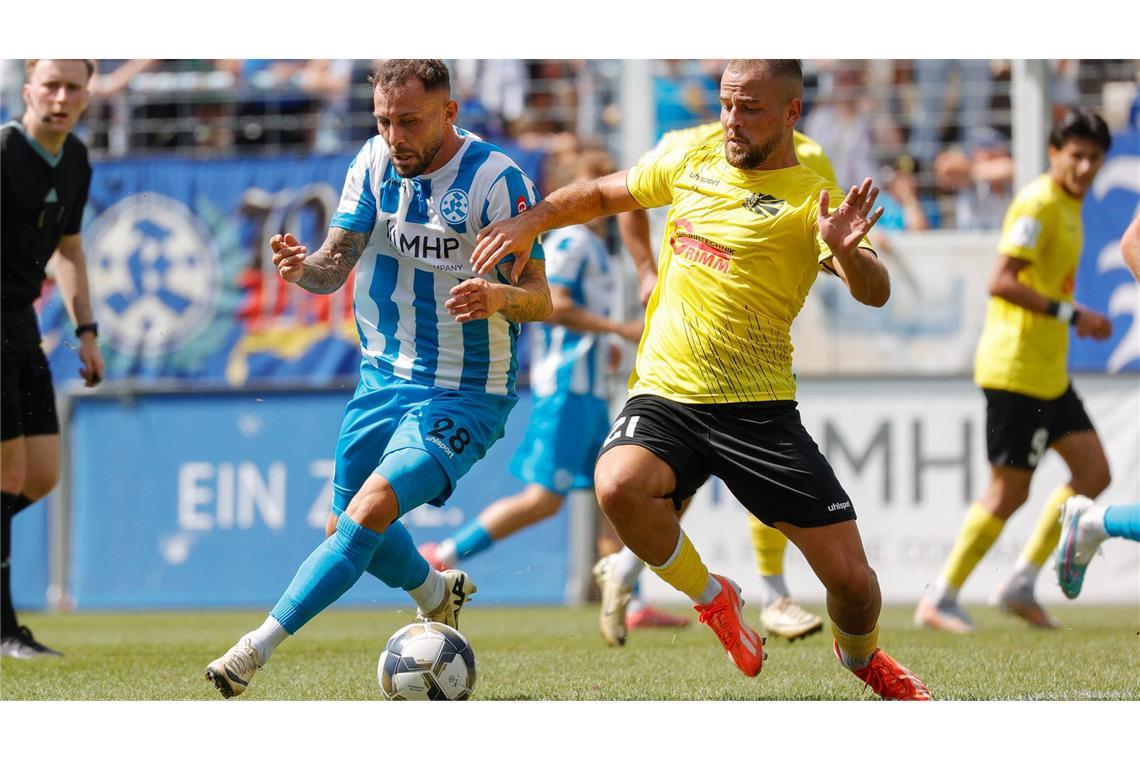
<point>557,654</point>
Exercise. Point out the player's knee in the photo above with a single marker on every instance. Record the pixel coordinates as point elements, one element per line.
<point>40,480</point>
<point>375,507</point>
<point>12,471</point>
<point>618,490</point>
<point>857,584</point>
<point>1095,479</point>
<point>548,507</point>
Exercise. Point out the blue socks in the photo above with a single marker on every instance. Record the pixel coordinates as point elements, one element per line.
<point>471,539</point>
<point>397,563</point>
<point>330,570</point>
<point>1123,522</point>
<point>343,557</point>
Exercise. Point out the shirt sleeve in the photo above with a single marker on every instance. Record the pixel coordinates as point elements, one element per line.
<point>75,217</point>
<point>650,181</point>
<point>1022,232</point>
<point>511,193</point>
<point>357,208</point>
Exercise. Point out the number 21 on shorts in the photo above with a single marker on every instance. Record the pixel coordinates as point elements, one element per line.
<point>621,429</point>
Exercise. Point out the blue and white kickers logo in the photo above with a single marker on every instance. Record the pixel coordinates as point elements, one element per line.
<point>455,206</point>
<point>155,274</point>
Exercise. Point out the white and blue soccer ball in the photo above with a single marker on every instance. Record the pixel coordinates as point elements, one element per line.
<point>427,661</point>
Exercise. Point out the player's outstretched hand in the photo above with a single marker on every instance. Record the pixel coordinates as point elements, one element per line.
<point>475,298</point>
<point>845,227</point>
<point>288,256</point>
<point>1091,324</point>
<point>501,238</point>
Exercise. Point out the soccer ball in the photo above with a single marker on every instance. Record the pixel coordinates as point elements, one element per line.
<point>427,661</point>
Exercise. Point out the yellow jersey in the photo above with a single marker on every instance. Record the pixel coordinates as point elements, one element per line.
<point>1020,350</point>
<point>808,151</point>
<point>741,250</point>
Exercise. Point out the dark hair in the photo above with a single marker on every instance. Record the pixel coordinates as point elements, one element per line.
<point>1083,124</point>
<point>432,73</point>
<point>30,66</point>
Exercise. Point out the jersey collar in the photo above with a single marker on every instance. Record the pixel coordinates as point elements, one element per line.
<point>53,161</point>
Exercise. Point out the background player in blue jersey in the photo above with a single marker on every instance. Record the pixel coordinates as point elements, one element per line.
<point>438,342</point>
<point>568,378</point>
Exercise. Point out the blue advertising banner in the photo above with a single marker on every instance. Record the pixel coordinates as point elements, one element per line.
<point>1103,281</point>
<point>216,499</point>
<point>182,281</point>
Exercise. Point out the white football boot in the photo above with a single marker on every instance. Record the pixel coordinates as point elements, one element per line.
<point>615,602</point>
<point>784,617</point>
<point>232,672</point>
<point>458,587</point>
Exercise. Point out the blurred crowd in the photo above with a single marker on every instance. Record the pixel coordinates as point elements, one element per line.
<point>934,133</point>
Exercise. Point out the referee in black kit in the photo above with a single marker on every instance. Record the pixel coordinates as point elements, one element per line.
<point>46,176</point>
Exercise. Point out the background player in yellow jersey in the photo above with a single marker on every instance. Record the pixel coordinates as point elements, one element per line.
<point>617,573</point>
<point>713,392</point>
<point>1020,366</point>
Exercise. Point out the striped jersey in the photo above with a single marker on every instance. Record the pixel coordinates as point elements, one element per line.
<point>563,360</point>
<point>422,236</point>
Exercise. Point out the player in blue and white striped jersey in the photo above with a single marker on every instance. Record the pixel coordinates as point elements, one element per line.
<point>568,378</point>
<point>437,379</point>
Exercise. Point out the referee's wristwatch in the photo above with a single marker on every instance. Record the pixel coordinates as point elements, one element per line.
<point>87,327</point>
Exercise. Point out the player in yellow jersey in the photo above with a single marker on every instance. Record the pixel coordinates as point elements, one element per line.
<point>1020,366</point>
<point>712,392</point>
<point>617,573</point>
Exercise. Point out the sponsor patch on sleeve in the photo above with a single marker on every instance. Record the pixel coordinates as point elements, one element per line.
<point>1023,233</point>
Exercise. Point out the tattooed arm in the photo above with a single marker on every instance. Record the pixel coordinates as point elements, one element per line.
<point>327,269</point>
<point>529,301</point>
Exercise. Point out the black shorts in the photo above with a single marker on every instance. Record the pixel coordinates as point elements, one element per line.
<point>760,450</point>
<point>1020,428</point>
<point>27,398</point>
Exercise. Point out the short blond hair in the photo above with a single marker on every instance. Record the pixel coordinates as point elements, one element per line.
<point>30,66</point>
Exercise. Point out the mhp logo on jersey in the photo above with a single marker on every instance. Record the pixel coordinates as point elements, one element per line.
<point>155,274</point>
<point>455,206</point>
<point>1103,281</point>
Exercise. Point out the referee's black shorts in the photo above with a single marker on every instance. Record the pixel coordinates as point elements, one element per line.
<point>27,398</point>
<point>759,449</point>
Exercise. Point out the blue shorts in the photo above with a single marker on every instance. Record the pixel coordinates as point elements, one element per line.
<point>565,434</point>
<point>387,414</point>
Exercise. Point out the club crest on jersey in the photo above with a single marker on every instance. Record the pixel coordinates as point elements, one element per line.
<point>764,205</point>
<point>521,204</point>
<point>701,250</point>
<point>455,206</point>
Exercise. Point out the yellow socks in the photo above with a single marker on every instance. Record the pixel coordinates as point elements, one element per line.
<point>686,572</point>
<point>1048,531</point>
<point>979,531</point>
<point>769,545</point>
<point>856,650</point>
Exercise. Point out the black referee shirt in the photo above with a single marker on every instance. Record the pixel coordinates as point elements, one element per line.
<point>41,200</point>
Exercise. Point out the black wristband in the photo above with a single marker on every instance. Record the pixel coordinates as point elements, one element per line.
<point>1073,319</point>
<point>1053,308</point>
<point>91,327</point>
